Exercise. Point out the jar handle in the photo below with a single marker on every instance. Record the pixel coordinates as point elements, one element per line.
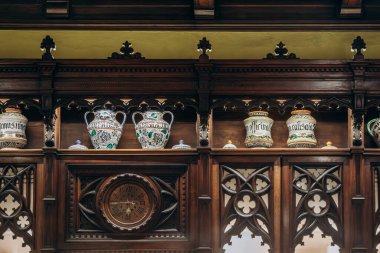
<point>370,126</point>
<point>171,114</point>
<point>124,117</point>
<point>85,116</point>
<point>133,116</point>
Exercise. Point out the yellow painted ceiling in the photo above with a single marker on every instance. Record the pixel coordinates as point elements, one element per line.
<point>182,44</point>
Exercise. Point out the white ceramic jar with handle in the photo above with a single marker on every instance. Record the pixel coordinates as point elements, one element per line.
<point>105,131</point>
<point>373,127</point>
<point>152,131</point>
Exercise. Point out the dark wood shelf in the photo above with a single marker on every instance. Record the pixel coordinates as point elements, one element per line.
<point>127,152</point>
<point>279,151</point>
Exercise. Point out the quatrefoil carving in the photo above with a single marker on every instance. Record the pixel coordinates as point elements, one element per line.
<point>245,195</point>
<point>317,197</point>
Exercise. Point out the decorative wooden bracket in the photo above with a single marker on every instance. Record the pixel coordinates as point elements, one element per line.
<point>47,46</point>
<point>204,68</point>
<point>358,100</point>
<point>57,8</point>
<point>358,46</point>
<point>351,9</point>
<point>126,52</point>
<point>204,9</point>
<point>47,70</point>
<point>281,52</point>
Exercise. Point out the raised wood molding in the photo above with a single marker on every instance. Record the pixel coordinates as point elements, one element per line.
<point>204,9</point>
<point>191,15</point>
<point>57,8</point>
<point>351,9</point>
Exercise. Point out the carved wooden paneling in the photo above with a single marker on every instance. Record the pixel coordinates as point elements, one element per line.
<point>17,200</point>
<point>87,195</point>
<point>376,232</point>
<point>246,194</point>
<point>316,202</point>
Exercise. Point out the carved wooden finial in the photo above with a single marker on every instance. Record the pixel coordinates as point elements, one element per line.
<point>204,46</point>
<point>47,46</point>
<point>281,52</point>
<point>358,46</point>
<point>126,52</point>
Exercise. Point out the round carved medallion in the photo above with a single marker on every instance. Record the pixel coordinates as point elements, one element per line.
<point>127,202</point>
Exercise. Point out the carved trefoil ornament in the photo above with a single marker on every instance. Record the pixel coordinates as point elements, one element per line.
<point>281,52</point>
<point>126,52</point>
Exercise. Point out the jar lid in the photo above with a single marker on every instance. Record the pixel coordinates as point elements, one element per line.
<point>181,145</point>
<point>229,145</point>
<point>12,109</point>
<point>300,112</point>
<point>78,145</point>
<point>329,146</point>
<point>258,113</point>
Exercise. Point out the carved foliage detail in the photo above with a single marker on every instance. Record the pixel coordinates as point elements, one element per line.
<point>317,202</point>
<point>17,200</point>
<point>245,194</point>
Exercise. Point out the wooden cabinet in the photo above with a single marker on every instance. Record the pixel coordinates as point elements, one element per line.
<point>192,200</point>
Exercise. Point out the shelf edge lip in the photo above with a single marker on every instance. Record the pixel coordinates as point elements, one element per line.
<point>371,152</point>
<point>279,151</point>
<point>21,153</point>
<point>128,152</point>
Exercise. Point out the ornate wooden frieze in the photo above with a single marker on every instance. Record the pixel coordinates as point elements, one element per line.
<point>317,202</point>
<point>246,194</point>
<point>17,200</point>
<point>283,104</point>
<point>127,103</point>
<point>20,102</point>
<point>127,206</point>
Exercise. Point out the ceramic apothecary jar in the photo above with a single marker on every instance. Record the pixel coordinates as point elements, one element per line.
<point>258,127</point>
<point>105,131</point>
<point>373,127</point>
<point>12,129</point>
<point>301,127</point>
<point>153,131</point>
